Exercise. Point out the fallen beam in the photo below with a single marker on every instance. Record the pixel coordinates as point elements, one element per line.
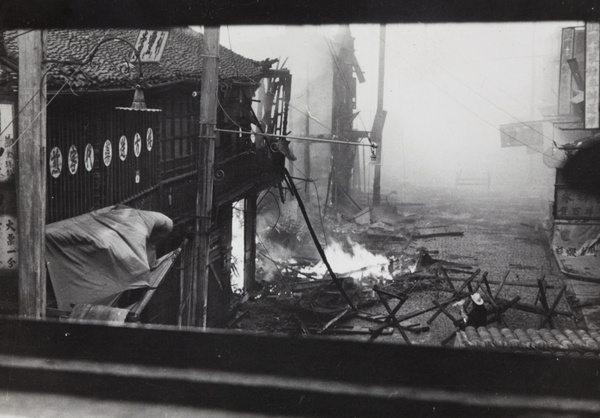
<point>439,234</point>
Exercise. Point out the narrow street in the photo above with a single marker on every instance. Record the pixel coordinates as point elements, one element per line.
<point>505,236</point>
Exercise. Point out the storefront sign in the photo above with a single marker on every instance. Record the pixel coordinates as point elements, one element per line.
<point>73,159</point>
<point>8,242</point>
<point>7,154</point>
<point>107,153</point>
<point>149,139</point>
<point>137,144</point>
<point>56,162</point>
<point>89,157</point>
<point>575,205</point>
<point>151,44</point>
<point>592,75</point>
<point>123,148</point>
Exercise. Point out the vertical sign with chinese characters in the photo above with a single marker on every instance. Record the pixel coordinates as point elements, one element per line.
<point>151,44</point>
<point>7,154</point>
<point>592,75</point>
<point>8,210</point>
<point>8,243</point>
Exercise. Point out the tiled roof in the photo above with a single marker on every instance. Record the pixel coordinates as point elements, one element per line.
<point>545,341</point>
<point>181,59</point>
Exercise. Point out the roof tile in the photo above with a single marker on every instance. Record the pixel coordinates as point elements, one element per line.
<point>110,67</point>
<point>550,341</point>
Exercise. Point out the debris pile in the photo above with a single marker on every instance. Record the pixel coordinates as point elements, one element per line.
<point>371,279</point>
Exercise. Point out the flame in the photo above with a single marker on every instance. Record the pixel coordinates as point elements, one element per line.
<point>237,246</point>
<point>357,263</point>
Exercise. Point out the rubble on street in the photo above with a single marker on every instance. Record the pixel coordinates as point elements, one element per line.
<point>405,273</point>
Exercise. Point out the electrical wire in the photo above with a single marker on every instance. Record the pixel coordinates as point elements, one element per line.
<point>237,71</point>
<point>473,112</point>
<point>12,38</point>
<point>37,116</point>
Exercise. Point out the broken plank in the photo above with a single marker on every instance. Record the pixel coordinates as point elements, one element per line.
<point>334,320</point>
<point>439,234</point>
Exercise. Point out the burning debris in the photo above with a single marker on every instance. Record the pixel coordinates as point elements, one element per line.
<point>379,277</point>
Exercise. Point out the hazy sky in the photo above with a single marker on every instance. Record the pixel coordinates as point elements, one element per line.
<point>448,87</point>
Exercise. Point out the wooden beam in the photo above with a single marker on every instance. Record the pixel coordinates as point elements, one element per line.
<point>377,133</point>
<point>32,175</point>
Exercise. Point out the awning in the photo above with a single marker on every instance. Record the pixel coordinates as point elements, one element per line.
<point>93,258</point>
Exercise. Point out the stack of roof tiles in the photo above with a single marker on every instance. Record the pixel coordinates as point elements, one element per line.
<point>181,58</point>
<point>546,341</point>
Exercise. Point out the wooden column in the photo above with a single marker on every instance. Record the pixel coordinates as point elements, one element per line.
<point>250,243</point>
<point>378,136</point>
<point>204,193</point>
<point>307,155</point>
<point>31,180</point>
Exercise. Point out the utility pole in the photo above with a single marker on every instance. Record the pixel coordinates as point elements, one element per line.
<point>307,156</point>
<point>377,131</point>
<point>206,157</point>
<point>31,200</point>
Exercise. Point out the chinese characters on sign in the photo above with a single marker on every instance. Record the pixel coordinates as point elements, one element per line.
<point>89,157</point>
<point>137,144</point>
<point>7,154</point>
<point>572,204</point>
<point>151,44</point>
<point>73,159</point>
<point>8,242</point>
<point>123,148</point>
<point>149,139</point>
<point>592,75</point>
<point>107,153</point>
<point>55,163</point>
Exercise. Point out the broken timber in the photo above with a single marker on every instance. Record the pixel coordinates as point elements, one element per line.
<point>313,235</point>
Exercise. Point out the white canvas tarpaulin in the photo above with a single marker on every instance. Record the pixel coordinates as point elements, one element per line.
<point>93,258</point>
<point>575,246</point>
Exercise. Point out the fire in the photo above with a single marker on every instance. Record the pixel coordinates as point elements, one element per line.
<point>357,263</point>
<point>237,246</point>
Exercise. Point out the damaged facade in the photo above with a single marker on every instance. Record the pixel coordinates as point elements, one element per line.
<point>575,154</point>
<point>102,150</point>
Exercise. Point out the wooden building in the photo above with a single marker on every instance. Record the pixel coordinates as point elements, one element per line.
<point>103,150</point>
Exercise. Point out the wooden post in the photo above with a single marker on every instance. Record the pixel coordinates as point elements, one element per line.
<point>31,200</point>
<point>378,136</point>
<point>204,193</point>
<point>250,242</point>
<point>307,155</point>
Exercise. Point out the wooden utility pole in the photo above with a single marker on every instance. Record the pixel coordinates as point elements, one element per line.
<point>31,200</point>
<point>206,157</point>
<point>377,133</point>
<point>307,156</point>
